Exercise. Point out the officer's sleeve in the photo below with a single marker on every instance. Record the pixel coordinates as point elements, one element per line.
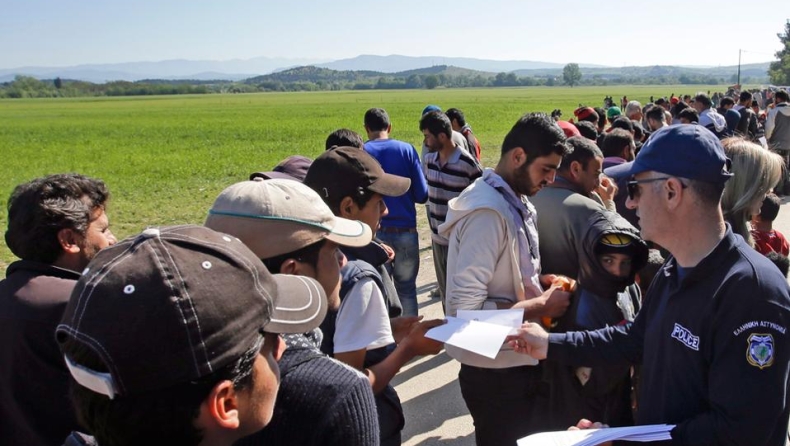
<point>748,372</point>
<point>619,345</point>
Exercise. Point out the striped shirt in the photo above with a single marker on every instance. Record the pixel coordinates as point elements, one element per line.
<point>445,182</point>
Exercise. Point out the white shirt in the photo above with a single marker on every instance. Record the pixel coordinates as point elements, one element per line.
<point>362,320</point>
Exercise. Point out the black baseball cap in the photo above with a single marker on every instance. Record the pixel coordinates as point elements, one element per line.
<point>292,168</point>
<point>345,171</point>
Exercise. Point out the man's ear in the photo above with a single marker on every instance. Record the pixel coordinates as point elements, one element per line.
<point>518,156</point>
<point>347,208</point>
<point>389,128</point>
<point>673,190</point>
<point>575,168</point>
<point>290,266</point>
<point>69,241</point>
<point>222,406</point>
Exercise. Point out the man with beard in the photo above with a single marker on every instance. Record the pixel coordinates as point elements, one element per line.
<point>449,170</point>
<point>56,225</point>
<point>566,205</point>
<point>618,148</point>
<point>494,263</point>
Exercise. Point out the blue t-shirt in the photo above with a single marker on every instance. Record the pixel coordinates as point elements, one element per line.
<point>400,158</point>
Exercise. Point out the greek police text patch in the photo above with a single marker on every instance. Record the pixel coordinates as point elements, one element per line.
<point>760,350</point>
<point>685,336</point>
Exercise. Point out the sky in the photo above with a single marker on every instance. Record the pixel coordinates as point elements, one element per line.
<point>614,33</point>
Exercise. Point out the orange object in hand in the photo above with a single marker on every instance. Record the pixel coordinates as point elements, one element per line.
<point>565,284</point>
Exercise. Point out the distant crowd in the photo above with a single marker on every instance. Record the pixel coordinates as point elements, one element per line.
<point>637,241</point>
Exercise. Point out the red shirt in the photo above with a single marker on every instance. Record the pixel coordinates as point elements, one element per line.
<point>767,241</point>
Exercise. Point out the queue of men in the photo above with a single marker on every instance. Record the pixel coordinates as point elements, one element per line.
<point>283,318</point>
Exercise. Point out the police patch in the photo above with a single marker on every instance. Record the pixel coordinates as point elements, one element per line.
<point>760,350</point>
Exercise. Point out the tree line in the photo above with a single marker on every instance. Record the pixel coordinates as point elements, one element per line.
<point>29,87</point>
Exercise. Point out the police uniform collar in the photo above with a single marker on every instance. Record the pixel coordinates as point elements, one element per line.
<point>709,263</point>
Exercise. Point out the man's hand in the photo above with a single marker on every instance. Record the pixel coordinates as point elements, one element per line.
<point>585,424</point>
<point>389,250</point>
<point>555,301</point>
<point>607,189</point>
<point>552,303</point>
<point>531,339</point>
<point>402,326</point>
<point>417,344</point>
<point>547,280</point>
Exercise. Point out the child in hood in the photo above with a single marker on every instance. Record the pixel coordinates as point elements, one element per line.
<point>611,253</point>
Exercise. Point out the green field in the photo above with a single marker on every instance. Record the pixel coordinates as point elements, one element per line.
<point>166,158</point>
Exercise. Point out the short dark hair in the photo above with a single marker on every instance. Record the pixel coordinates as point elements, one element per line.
<point>377,119</point>
<point>587,129</point>
<point>344,138</point>
<point>615,141</point>
<point>39,209</point>
<point>436,123</point>
<point>583,150</point>
<point>781,261</point>
<point>660,102</point>
<point>458,115</point>
<point>166,415</point>
<point>601,116</point>
<point>726,101</point>
<point>708,193</point>
<point>690,114</point>
<point>745,96</point>
<point>624,123</point>
<point>538,135</point>
<point>677,108</point>
<point>782,96</point>
<point>656,113</point>
<point>307,254</point>
<point>770,208</point>
<point>703,99</point>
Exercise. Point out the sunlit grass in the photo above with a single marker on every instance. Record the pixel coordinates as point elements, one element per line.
<point>166,158</point>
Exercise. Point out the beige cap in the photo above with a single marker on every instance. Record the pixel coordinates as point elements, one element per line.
<point>278,216</point>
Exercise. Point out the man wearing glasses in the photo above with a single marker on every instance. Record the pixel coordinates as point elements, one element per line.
<point>712,337</point>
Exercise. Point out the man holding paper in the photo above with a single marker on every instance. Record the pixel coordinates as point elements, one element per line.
<point>494,263</point>
<point>712,338</point>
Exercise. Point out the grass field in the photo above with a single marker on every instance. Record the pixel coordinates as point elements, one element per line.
<point>166,158</point>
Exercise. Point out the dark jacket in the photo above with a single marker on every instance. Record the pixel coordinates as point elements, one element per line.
<point>320,402</point>
<point>601,393</point>
<point>34,381</point>
<point>714,347</point>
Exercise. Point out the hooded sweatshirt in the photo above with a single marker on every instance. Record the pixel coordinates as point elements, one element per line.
<point>485,269</point>
<point>601,299</point>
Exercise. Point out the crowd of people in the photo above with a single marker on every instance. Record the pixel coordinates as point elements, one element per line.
<point>637,241</point>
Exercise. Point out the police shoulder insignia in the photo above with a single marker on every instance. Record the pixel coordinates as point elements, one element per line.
<point>760,350</point>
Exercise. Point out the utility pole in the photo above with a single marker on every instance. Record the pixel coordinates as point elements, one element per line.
<point>739,69</point>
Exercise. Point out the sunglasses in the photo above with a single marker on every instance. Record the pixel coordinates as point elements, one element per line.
<point>633,186</point>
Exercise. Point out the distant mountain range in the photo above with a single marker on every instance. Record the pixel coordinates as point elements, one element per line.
<point>240,69</point>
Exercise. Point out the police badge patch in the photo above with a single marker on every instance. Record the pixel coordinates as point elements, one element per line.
<point>760,350</point>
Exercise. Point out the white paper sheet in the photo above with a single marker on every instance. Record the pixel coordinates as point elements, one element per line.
<point>507,318</point>
<point>478,337</point>
<point>590,437</point>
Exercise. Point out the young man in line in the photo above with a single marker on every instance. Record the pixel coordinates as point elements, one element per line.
<point>353,184</point>
<point>494,263</point>
<point>399,227</point>
<point>449,170</point>
<point>287,225</point>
